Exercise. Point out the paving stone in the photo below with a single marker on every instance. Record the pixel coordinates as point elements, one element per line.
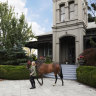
<point>22,88</point>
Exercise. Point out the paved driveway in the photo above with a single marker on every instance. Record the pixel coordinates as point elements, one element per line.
<point>21,88</point>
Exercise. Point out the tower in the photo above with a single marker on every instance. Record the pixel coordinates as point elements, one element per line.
<point>69,27</point>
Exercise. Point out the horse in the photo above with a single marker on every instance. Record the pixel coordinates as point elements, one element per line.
<point>43,68</point>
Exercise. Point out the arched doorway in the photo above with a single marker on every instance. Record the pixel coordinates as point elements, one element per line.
<point>67,50</point>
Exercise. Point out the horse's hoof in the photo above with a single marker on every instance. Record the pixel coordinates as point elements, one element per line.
<point>62,84</point>
<point>54,84</point>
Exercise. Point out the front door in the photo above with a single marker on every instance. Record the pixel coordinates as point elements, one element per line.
<point>67,50</point>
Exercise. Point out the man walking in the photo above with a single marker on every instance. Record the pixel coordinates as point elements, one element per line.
<point>32,70</point>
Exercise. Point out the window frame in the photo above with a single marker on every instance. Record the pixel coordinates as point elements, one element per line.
<point>62,14</point>
<point>71,11</point>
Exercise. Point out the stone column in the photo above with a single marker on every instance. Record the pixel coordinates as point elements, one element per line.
<point>57,52</point>
<point>58,16</point>
<point>80,11</point>
<point>54,46</point>
<point>54,12</point>
<point>77,49</point>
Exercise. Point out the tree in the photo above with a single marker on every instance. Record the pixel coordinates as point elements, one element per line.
<point>92,10</point>
<point>92,42</point>
<point>14,31</point>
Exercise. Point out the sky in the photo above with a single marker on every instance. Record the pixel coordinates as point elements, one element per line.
<point>38,13</point>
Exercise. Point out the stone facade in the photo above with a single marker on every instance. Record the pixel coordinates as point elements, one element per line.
<point>71,32</point>
<point>73,25</point>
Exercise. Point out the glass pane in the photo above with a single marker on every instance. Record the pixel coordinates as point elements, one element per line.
<point>50,52</point>
<point>62,10</point>
<point>71,15</point>
<point>62,17</point>
<point>71,7</point>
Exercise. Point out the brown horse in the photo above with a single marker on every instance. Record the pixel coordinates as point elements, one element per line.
<point>48,68</point>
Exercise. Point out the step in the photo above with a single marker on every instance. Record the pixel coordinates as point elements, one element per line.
<point>64,77</point>
<point>69,72</point>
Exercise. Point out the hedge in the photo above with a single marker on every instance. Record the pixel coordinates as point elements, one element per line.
<point>13,72</point>
<point>87,75</point>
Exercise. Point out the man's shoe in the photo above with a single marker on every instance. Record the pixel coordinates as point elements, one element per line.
<point>32,88</point>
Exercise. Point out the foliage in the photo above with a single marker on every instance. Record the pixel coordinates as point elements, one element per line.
<point>48,60</point>
<point>87,75</point>
<point>13,72</point>
<point>89,56</point>
<point>92,10</point>
<point>34,58</point>
<point>92,42</point>
<point>14,56</point>
<point>14,31</point>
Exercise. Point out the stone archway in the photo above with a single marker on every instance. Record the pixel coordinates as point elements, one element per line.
<point>67,50</point>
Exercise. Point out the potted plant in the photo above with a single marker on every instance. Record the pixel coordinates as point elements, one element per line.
<point>81,60</point>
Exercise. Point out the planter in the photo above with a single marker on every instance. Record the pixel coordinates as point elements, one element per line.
<point>81,61</point>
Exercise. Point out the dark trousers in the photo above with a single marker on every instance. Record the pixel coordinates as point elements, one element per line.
<point>32,81</point>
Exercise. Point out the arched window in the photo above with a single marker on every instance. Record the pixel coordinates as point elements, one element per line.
<point>62,12</point>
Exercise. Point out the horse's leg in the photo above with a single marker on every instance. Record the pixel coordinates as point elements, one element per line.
<point>39,81</point>
<point>61,77</point>
<point>42,80</point>
<point>55,79</point>
<point>62,80</point>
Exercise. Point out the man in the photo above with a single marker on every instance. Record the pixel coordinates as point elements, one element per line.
<point>32,70</point>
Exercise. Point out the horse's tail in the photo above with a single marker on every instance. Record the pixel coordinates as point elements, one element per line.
<point>61,74</point>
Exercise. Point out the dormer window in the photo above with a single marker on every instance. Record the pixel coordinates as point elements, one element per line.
<point>71,10</point>
<point>62,13</point>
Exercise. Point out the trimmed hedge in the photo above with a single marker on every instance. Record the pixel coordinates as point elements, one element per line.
<point>13,72</point>
<point>87,75</point>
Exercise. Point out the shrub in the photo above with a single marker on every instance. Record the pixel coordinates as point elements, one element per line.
<point>87,75</point>
<point>13,72</point>
<point>13,56</point>
<point>48,60</point>
<point>89,57</point>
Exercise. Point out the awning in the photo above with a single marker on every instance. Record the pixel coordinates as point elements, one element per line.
<point>35,44</point>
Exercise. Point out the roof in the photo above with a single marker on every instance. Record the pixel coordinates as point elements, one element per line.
<point>35,44</point>
<point>46,33</point>
<point>91,25</point>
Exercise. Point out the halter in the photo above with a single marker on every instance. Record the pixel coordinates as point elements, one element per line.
<point>29,62</point>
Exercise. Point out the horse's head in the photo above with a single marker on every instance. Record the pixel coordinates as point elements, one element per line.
<point>28,64</point>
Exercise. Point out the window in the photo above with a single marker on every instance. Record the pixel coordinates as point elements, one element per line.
<point>71,10</point>
<point>62,13</point>
<point>50,52</point>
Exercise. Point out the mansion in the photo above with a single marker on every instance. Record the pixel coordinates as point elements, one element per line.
<point>71,32</point>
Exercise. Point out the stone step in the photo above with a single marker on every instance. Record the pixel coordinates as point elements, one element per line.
<point>64,77</point>
<point>69,72</point>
